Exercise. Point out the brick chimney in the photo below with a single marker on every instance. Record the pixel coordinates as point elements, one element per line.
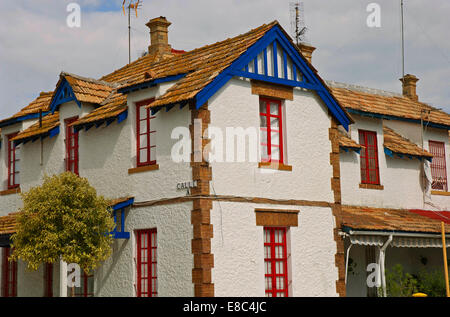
<point>307,51</point>
<point>409,86</point>
<point>159,39</point>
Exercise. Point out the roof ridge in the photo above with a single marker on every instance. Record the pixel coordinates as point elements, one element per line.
<point>364,89</point>
<point>91,80</point>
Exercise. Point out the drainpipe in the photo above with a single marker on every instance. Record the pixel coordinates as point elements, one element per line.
<point>346,262</point>
<point>382,264</point>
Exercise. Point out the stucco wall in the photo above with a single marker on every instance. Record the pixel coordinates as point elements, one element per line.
<point>238,249</point>
<point>307,146</point>
<point>117,276</point>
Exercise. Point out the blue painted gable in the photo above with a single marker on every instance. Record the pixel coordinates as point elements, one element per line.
<point>64,93</point>
<point>274,59</point>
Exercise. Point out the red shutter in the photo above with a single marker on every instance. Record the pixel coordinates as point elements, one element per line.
<point>271,130</point>
<point>275,261</point>
<point>72,157</point>
<point>370,173</point>
<point>145,137</point>
<point>146,263</point>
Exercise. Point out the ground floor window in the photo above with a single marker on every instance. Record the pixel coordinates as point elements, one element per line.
<point>146,263</point>
<point>9,275</point>
<point>86,288</point>
<point>275,261</point>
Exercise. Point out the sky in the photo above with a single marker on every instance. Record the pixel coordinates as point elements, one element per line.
<point>36,43</point>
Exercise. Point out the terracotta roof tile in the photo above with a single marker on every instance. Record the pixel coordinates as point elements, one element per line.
<point>49,122</point>
<point>377,219</point>
<point>87,89</point>
<point>398,144</point>
<point>393,105</point>
<point>346,142</point>
<point>111,107</point>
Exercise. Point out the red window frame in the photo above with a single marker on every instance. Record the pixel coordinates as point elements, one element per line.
<point>9,275</point>
<point>48,280</point>
<point>13,173</point>
<point>438,166</point>
<point>275,262</point>
<point>147,263</point>
<point>370,171</point>
<point>72,153</point>
<point>84,290</point>
<point>144,138</point>
<point>267,118</point>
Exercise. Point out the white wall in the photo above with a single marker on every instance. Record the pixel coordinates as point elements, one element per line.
<point>238,249</point>
<point>117,276</point>
<point>307,147</point>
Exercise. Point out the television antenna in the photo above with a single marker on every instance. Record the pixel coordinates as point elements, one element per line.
<point>298,27</point>
<point>132,5</point>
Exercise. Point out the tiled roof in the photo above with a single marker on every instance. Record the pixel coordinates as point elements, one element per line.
<point>8,224</point>
<point>387,104</point>
<point>136,69</point>
<point>377,219</point>
<point>398,144</point>
<point>88,89</point>
<point>49,122</point>
<point>201,65</point>
<point>117,201</point>
<point>42,102</point>
<point>114,105</point>
<point>346,142</point>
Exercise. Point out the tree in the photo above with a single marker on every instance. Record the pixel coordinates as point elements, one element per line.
<point>63,219</point>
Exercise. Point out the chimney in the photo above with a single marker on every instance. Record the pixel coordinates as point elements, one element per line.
<point>306,50</point>
<point>159,36</point>
<point>409,86</point>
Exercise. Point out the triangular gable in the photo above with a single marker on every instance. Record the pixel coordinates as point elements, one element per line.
<point>64,93</point>
<point>288,68</point>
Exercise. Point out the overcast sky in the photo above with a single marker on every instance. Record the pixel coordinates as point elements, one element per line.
<point>36,44</point>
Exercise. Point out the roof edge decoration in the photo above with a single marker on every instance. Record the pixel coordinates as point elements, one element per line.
<point>396,144</point>
<point>63,93</point>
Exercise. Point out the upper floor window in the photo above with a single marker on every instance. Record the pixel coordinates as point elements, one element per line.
<point>146,263</point>
<point>9,275</point>
<point>71,147</point>
<point>370,173</point>
<point>275,262</point>
<point>438,166</point>
<point>145,136</point>
<point>13,163</point>
<point>271,130</point>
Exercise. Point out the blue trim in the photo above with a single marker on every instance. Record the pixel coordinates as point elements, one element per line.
<point>275,59</point>
<point>124,204</point>
<point>390,153</point>
<point>389,117</point>
<point>277,37</point>
<point>346,149</point>
<point>64,93</point>
<point>150,83</point>
<point>54,132</point>
<point>121,117</point>
<point>86,126</point>
<point>23,118</point>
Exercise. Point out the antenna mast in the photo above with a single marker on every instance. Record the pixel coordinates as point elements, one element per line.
<point>403,40</point>
<point>298,28</point>
<point>132,5</point>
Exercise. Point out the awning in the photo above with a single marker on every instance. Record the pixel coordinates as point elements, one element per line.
<point>397,241</point>
<point>436,215</point>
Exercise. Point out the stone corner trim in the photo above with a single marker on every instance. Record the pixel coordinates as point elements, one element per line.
<point>276,217</point>
<point>201,210</point>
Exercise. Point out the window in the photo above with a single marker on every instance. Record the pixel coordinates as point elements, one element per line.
<point>48,280</point>
<point>9,275</point>
<point>271,130</point>
<point>145,137</point>
<point>146,263</point>
<point>370,173</point>
<point>275,261</point>
<point>86,288</point>
<point>438,166</point>
<point>71,147</point>
<point>13,163</point>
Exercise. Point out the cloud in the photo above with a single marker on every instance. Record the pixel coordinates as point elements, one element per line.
<point>36,44</point>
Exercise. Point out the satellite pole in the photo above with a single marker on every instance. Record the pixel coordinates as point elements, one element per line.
<point>403,40</point>
<point>298,28</point>
<point>132,5</point>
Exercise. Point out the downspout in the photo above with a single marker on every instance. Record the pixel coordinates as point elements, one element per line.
<point>346,262</point>
<point>382,264</point>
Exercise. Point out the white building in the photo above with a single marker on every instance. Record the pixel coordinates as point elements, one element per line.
<point>272,224</point>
